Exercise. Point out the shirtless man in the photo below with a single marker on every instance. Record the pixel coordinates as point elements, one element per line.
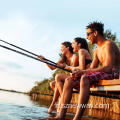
<point>107,54</point>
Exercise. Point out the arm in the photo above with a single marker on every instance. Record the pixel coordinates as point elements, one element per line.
<point>81,60</point>
<point>59,63</point>
<point>43,58</point>
<point>95,61</point>
<point>75,60</point>
<point>106,64</point>
<point>82,56</point>
<point>75,63</point>
<point>51,67</point>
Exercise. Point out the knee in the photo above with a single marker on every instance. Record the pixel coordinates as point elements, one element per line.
<point>52,84</point>
<point>58,78</point>
<point>84,81</point>
<point>68,83</point>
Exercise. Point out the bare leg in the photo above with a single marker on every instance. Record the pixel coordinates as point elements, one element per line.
<point>83,97</point>
<point>55,98</point>
<point>60,78</point>
<point>65,98</point>
<point>52,85</point>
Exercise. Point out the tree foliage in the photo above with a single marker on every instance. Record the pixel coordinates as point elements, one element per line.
<point>109,35</point>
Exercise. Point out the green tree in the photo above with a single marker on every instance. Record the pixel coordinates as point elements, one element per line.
<point>110,36</point>
<point>91,48</point>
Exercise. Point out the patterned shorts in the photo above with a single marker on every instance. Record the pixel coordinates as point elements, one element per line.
<point>94,78</point>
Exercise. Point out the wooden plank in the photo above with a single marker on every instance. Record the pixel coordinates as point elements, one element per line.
<point>106,88</point>
<point>109,82</point>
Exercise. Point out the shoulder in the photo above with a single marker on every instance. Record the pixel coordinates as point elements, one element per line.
<point>96,51</point>
<point>82,51</point>
<point>111,44</point>
<point>108,43</point>
<point>112,47</point>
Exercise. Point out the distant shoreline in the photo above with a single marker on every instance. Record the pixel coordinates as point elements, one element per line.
<point>12,91</point>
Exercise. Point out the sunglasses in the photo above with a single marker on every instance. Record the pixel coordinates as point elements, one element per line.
<point>89,33</point>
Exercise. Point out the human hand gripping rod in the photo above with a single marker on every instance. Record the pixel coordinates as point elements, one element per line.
<point>47,62</point>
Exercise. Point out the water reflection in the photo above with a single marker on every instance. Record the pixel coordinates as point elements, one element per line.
<point>16,106</point>
<point>89,114</point>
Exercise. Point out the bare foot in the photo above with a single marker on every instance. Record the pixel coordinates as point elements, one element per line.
<point>58,118</point>
<point>55,118</point>
<point>51,108</point>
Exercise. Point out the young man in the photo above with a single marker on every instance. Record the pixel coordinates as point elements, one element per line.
<point>107,54</point>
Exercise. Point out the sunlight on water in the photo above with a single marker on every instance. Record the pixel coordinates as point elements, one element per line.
<point>17,106</point>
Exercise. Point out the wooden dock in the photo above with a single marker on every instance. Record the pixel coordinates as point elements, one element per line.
<point>106,94</point>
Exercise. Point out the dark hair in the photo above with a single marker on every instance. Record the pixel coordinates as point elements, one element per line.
<point>83,43</point>
<point>68,44</point>
<point>96,26</point>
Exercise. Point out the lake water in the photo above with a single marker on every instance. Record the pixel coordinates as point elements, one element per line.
<point>17,106</point>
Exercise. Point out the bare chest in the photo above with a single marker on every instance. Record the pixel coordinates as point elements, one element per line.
<point>101,55</point>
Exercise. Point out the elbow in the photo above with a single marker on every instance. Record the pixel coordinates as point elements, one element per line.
<point>52,68</point>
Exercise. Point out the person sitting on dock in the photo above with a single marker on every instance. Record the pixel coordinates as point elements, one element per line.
<point>80,47</point>
<point>107,54</point>
<point>68,59</point>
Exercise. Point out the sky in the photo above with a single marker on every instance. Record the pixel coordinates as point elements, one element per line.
<point>40,26</point>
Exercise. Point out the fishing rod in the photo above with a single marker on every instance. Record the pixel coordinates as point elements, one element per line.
<point>26,51</point>
<point>34,58</point>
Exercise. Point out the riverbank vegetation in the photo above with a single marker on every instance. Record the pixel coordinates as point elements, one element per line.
<point>43,87</point>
